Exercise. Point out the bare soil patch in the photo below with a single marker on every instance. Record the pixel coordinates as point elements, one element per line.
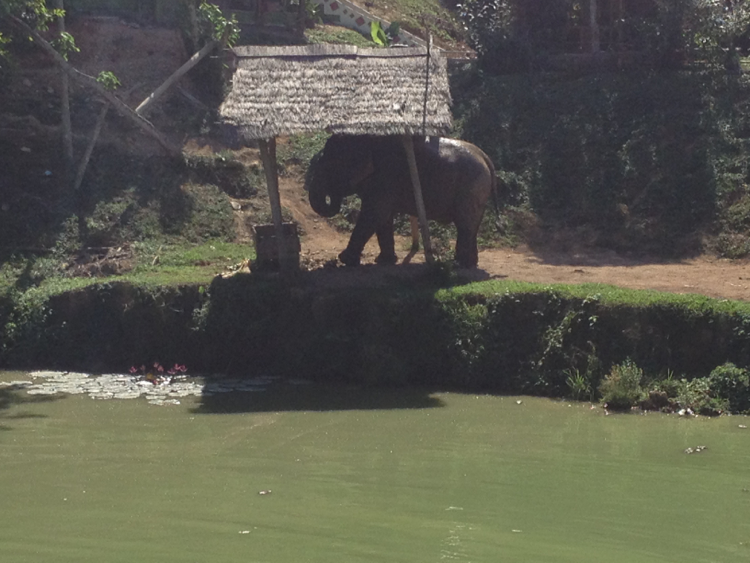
<point>703,275</point>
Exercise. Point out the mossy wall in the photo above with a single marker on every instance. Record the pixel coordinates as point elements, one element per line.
<point>525,342</point>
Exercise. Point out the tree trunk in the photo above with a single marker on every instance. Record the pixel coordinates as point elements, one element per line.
<point>594,25</point>
<point>67,127</point>
<point>89,82</point>
<point>301,17</point>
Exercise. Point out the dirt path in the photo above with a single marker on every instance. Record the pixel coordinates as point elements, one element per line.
<point>705,275</point>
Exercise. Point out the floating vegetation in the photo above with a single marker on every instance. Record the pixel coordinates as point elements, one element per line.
<point>164,391</point>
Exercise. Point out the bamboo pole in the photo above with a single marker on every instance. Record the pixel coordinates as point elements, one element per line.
<point>414,172</point>
<point>268,155</point>
<point>421,212</point>
<point>176,75</point>
<point>90,148</point>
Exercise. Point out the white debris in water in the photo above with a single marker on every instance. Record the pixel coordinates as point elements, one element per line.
<point>127,386</point>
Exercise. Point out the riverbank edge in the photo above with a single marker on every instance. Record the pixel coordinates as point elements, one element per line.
<point>497,336</point>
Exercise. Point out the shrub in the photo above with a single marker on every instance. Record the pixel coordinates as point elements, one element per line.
<point>731,384</point>
<point>621,388</point>
<point>696,395</point>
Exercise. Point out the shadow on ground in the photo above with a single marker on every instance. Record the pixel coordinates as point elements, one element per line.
<point>282,397</point>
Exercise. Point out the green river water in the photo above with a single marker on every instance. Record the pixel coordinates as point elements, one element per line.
<point>358,475</point>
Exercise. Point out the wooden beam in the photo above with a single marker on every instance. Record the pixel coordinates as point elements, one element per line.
<point>90,147</point>
<point>176,75</point>
<point>421,212</point>
<point>268,155</point>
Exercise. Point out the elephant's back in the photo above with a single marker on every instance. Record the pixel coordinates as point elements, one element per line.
<point>469,162</point>
<point>455,149</point>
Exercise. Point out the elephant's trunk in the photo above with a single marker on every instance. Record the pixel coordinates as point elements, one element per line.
<point>325,204</point>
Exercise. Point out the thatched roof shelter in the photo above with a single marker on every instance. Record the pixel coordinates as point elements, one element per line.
<point>339,89</point>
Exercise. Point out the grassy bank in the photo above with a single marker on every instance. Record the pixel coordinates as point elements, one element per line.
<point>505,337</point>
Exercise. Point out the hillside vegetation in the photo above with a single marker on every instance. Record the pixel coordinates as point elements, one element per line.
<point>647,156</point>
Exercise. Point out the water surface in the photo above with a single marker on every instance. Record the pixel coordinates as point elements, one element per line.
<point>360,475</point>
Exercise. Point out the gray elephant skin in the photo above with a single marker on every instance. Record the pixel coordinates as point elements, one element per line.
<point>457,179</point>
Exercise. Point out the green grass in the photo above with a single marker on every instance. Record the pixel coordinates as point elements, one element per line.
<point>605,294</point>
<point>176,265</point>
<point>338,36</point>
<point>427,16</point>
<point>299,149</point>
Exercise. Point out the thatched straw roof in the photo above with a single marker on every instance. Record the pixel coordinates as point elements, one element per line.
<point>337,88</point>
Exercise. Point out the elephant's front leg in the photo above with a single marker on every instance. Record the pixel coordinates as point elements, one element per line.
<point>375,216</point>
<point>363,231</point>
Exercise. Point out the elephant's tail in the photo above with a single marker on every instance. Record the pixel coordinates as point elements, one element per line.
<point>493,179</point>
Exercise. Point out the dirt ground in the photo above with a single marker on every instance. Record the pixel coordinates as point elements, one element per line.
<point>704,275</point>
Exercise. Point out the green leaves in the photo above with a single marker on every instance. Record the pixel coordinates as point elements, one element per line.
<point>66,44</point>
<point>384,37</point>
<point>378,34</point>
<point>108,80</point>
<point>222,28</point>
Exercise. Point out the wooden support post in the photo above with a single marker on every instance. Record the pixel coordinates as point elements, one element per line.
<point>421,212</point>
<point>90,148</point>
<point>268,154</point>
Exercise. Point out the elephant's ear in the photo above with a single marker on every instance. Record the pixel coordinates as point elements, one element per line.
<point>363,171</point>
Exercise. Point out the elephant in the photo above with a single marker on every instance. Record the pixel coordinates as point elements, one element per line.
<point>457,179</point>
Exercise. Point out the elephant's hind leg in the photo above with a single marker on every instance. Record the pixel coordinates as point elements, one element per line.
<point>387,245</point>
<point>467,255</point>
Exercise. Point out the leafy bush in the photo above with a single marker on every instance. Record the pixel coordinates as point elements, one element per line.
<point>509,34</point>
<point>696,395</point>
<point>621,388</point>
<point>225,171</point>
<point>646,161</point>
<point>731,384</point>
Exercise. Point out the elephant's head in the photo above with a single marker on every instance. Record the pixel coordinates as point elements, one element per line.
<point>337,171</point>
